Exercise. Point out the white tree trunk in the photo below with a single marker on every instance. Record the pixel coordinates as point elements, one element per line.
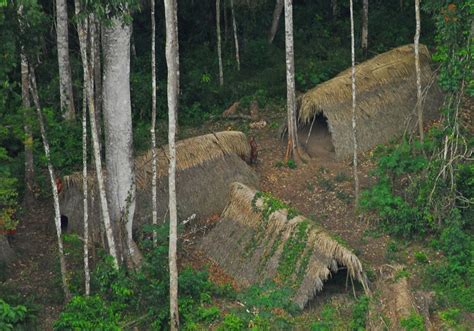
<point>354,129</point>
<point>236,39</point>
<point>276,19</point>
<point>153,122</point>
<point>118,131</point>
<point>95,139</point>
<point>28,141</point>
<point>57,211</point>
<point>219,46</point>
<point>292,149</point>
<point>173,77</point>
<point>94,26</point>
<point>365,26</point>
<point>419,106</point>
<point>65,80</point>
<point>87,277</point>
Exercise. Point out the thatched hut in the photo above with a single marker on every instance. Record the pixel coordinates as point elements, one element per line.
<point>205,166</point>
<point>265,240</point>
<point>386,100</point>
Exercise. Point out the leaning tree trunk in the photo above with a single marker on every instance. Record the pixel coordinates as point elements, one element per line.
<point>173,77</point>
<point>276,19</point>
<point>236,39</point>
<point>153,123</point>
<point>354,129</point>
<point>365,26</point>
<point>419,106</point>
<point>89,83</point>
<point>30,183</point>
<point>65,80</point>
<point>94,26</point>
<point>293,149</point>
<point>219,46</point>
<point>118,134</point>
<point>57,211</point>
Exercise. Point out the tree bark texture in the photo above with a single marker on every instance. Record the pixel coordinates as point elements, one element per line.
<point>419,101</point>
<point>236,38</point>
<point>94,26</point>
<point>57,211</point>
<point>173,86</point>
<point>89,83</point>
<point>118,132</point>
<point>276,19</point>
<point>65,79</point>
<point>7,254</point>
<point>219,43</point>
<point>87,277</point>
<point>153,122</point>
<point>354,128</point>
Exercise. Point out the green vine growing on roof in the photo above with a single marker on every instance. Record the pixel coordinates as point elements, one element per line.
<point>271,205</point>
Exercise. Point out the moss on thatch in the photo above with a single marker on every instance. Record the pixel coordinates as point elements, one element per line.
<point>254,246</point>
<point>206,165</point>
<point>386,99</point>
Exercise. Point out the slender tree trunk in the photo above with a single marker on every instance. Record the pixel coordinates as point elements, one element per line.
<point>118,132</point>
<point>219,46</point>
<point>28,142</point>
<point>365,26</point>
<point>292,151</point>
<point>94,26</point>
<point>87,277</point>
<point>173,77</point>
<point>81,29</point>
<point>419,105</point>
<point>57,211</point>
<point>335,9</point>
<point>65,80</point>
<point>225,22</point>
<point>236,39</point>
<point>354,129</point>
<point>153,122</point>
<point>276,19</point>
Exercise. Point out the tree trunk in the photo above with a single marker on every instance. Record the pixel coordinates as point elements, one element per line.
<point>94,26</point>
<point>118,132</point>
<point>276,19</point>
<point>65,80</point>
<point>7,254</point>
<point>335,9</point>
<point>419,101</point>
<point>89,83</point>
<point>87,277</point>
<point>57,211</point>
<point>219,46</point>
<point>365,26</point>
<point>236,39</point>
<point>30,183</point>
<point>153,122</point>
<point>354,129</point>
<point>173,77</point>
<point>293,149</point>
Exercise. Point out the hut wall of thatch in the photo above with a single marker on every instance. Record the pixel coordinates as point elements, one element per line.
<point>254,246</point>
<point>386,100</point>
<point>206,165</point>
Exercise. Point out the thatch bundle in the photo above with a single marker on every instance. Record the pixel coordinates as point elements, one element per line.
<point>256,241</point>
<point>386,99</point>
<point>205,166</point>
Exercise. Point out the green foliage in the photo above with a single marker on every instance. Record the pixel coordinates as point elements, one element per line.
<point>291,164</point>
<point>421,257</point>
<point>232,323</point>
<point>11,317</point>
<point>414,322</point>
<point>359,314</point>
<point>328,321</point>
<point>293,252</point>
<point>272,204</point>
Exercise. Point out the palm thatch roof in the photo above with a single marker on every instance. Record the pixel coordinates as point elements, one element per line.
<point>386,99</point>
<point>265,240</point>
<point>205,167</point>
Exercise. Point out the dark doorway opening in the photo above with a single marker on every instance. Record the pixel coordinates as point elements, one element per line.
<point>319,143</point>
<point>64,223</point>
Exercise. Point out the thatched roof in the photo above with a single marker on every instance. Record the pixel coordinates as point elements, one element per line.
<point>206,165</point>
<point>256,241</point>
<point>386,98</point>
<point>190,153</point>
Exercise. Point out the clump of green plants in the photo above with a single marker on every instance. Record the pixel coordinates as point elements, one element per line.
<point>414,322</point>
<point>272,204</point>
<point>293,252</point>
<point>328,321</point>
<point>11,318</point>
<point>359,314</point>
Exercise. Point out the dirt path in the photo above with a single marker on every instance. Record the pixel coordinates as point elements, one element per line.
<point>35,273</point>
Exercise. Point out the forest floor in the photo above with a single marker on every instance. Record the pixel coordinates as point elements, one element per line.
<point>321,189</point>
